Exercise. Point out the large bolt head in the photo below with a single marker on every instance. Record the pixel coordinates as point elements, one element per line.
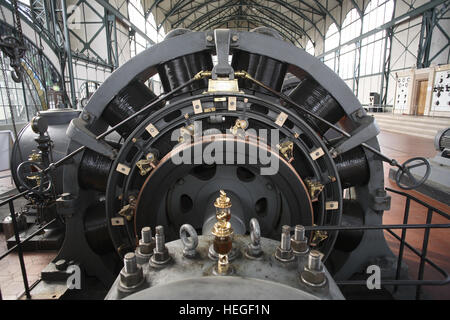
<point>299,246</point>
<point>146,248</point>
<point>131,280</point>
<point>284,255</point>
<point>162,257</point>
<point>313,278</point>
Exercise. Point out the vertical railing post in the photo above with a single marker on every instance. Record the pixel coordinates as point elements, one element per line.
<point>424,251</point>
<point>19,249</point>
<point>402,241</point>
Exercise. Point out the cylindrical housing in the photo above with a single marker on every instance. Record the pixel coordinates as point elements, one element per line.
<point>313,97</point>
<point>176,72</point>
<point>93,171</point>
<point>128,101</point>
<point>58,120</point>
<point>353,168</point>
<point>269,71</point>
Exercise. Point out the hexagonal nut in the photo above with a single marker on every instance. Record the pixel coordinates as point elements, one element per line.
<point>299,246</point>
<point>313,278</point>
<point>146,248</point>
<point>142,258</point>
<point>284,255</point>
<point>131,280</point>
<point>160,257</point>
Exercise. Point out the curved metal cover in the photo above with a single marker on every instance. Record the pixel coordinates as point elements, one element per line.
<point>222,288</point>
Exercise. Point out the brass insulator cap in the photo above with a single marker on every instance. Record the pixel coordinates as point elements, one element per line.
<point>222,229</point>
<point>222,201</point>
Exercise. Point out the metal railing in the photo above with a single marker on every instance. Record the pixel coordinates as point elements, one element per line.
<point>19,243</point>
<point>422,254</point>
<point>404,227</point>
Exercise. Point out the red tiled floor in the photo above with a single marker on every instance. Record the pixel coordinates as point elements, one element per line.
<point>403,147</point>
<point>11,281</point>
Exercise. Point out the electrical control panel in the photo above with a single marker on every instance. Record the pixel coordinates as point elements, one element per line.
<point>401,98</point>
<point>440,100</point>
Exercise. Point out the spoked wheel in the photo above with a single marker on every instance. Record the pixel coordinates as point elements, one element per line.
<point>32,177</point>
<point>406,180</point>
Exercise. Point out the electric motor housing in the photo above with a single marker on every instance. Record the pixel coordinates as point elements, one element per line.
<point>135,182</point>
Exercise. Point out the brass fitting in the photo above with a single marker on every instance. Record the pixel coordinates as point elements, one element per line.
<point>222,231</point>
<point>34,156</point>
<point>223,265</point>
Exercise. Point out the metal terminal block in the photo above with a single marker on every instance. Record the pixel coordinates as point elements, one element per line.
<point>239,127</point>
<point>299,242</point>
<point>281,119</point>
<point>152,130</point>
<point>160,253</point>
<point>148,164</point>
<point>131,275</point>
<point>186,133</point>
<point>127,210</point>
<point>316,154</point>
<point>313,274</point>
<point>123,169</point>
<point>318,237</point>
<point>284,252</point>
<point>287,150</point>
<point>197,105</point>
<point>232,103</point>
<point>314,188</point>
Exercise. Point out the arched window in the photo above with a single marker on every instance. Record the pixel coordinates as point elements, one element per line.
<point>309,47</point>
<point>149,27</point>
<point>377,13</point>
<point>331,42</point>
<point>136,15</point>
<point>152,29</point>
<point>351,28</point>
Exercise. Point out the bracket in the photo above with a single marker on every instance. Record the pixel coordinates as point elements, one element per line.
<point>78,132</point>
<point>366,131</point>
<point>223,67</point>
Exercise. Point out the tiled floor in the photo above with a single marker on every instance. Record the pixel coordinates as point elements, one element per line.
<point>395,145</point>
<point>11,281</point>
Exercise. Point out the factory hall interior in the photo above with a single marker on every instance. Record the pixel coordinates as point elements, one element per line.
<point>264,150</point>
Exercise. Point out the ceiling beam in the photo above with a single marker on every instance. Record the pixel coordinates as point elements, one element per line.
<point>124,19</point>
<point>281,18</point>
